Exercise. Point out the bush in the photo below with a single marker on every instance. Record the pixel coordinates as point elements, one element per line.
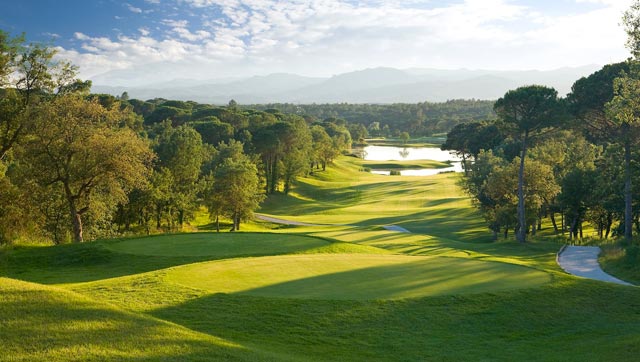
<point>632,254</point>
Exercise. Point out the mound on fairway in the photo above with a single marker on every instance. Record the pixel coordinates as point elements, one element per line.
<point>41,323</point>
<point>354,276</point>
<point>218,244</point>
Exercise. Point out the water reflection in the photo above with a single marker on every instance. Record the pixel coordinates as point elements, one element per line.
<point>388,153</point>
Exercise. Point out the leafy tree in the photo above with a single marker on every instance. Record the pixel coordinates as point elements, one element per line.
<point>181,152</point>
<point>564,152</point>
<point>468,139</point>
<point>28,74</point>
<point>79,145</point>
<point>405,137</point>
<point>631,22</point>
<point>624,111</point>
<point>323,150</point>
<point>527,111</point>
<point>212,130</point>
<point>236,190</point>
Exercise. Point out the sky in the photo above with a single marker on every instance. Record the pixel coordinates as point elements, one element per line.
<point>138,42</point>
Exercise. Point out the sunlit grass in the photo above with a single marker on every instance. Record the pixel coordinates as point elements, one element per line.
<point>432,205</point>
<point>354,277</point>
<point>348,292</point>
<point>41,323</point>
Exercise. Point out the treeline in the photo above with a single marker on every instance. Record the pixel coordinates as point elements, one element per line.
<point>391,120</point>
<point>571,160</point>
<point>76,165</point>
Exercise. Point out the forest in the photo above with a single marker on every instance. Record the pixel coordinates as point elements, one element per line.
<point>390,120</point>
<point>78,166</point>
<point>568,160</point>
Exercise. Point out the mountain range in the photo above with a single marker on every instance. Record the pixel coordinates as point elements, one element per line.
<point>375,85</point>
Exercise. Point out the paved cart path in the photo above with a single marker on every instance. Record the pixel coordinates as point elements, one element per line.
<point>582,261</point>
<point>276,220</point>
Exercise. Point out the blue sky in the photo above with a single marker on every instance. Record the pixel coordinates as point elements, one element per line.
<point>144,41</point>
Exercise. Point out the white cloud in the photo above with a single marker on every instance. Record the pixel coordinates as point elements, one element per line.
<point>323,37</point>
<point>133,9</point>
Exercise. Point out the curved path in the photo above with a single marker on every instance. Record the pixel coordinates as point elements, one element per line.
<point>582,261</point>
<point>276,220</point>
<point>282,221</point>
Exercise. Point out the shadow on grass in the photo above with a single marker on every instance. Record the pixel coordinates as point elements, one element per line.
<point>419,278</point>
<point>75,263</point>
<point>568,321</point>
<point>45,324</point>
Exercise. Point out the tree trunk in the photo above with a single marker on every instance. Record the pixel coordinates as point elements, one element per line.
<point>464,164</point>
<point>75,214</point>
<point>552,216</point>
<point>218,223</point>
<point>158,216</point>
<point>628,217</point>
<point>233,222</point>
<point>580,229</point>
<point>521,236</point>
<point>609,223</point>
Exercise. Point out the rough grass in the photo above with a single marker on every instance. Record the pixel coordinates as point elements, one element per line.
<point>623,263</point>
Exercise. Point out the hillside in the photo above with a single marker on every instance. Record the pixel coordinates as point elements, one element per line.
<point>377,85</point>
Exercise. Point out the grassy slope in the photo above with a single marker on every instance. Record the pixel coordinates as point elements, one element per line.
<point>568,319</point>
<point>374,200</point>
<point>354,277</point>
<point>41,323</point>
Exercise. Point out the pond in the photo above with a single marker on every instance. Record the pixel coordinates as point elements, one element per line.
<point>389,153</point>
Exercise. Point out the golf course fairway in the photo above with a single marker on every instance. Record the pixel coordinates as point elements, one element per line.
<point>218,244</point>
<point>354,276</point>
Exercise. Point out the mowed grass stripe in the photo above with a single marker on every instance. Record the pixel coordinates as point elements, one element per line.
<point>354,277</point>
<point>218,244</point>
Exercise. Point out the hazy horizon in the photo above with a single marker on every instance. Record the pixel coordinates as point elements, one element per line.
<point>161,40</point>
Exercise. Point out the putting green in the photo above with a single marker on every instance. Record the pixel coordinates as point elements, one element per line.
<point>218,244</point>
<point>354,276</point>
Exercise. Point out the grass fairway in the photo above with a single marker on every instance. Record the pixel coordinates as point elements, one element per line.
<point>355,277</point>
<point>340,293</point>
<point>432,205</point>
<point>39,323</point>
<point>219,245</point>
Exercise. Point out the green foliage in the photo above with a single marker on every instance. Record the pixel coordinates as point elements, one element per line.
<point>94,160</point>
<point>236,190</point>
<point>631,22</point>
<point>386,120</point>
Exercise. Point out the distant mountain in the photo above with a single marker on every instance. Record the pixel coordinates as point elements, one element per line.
<point>377,85</point>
